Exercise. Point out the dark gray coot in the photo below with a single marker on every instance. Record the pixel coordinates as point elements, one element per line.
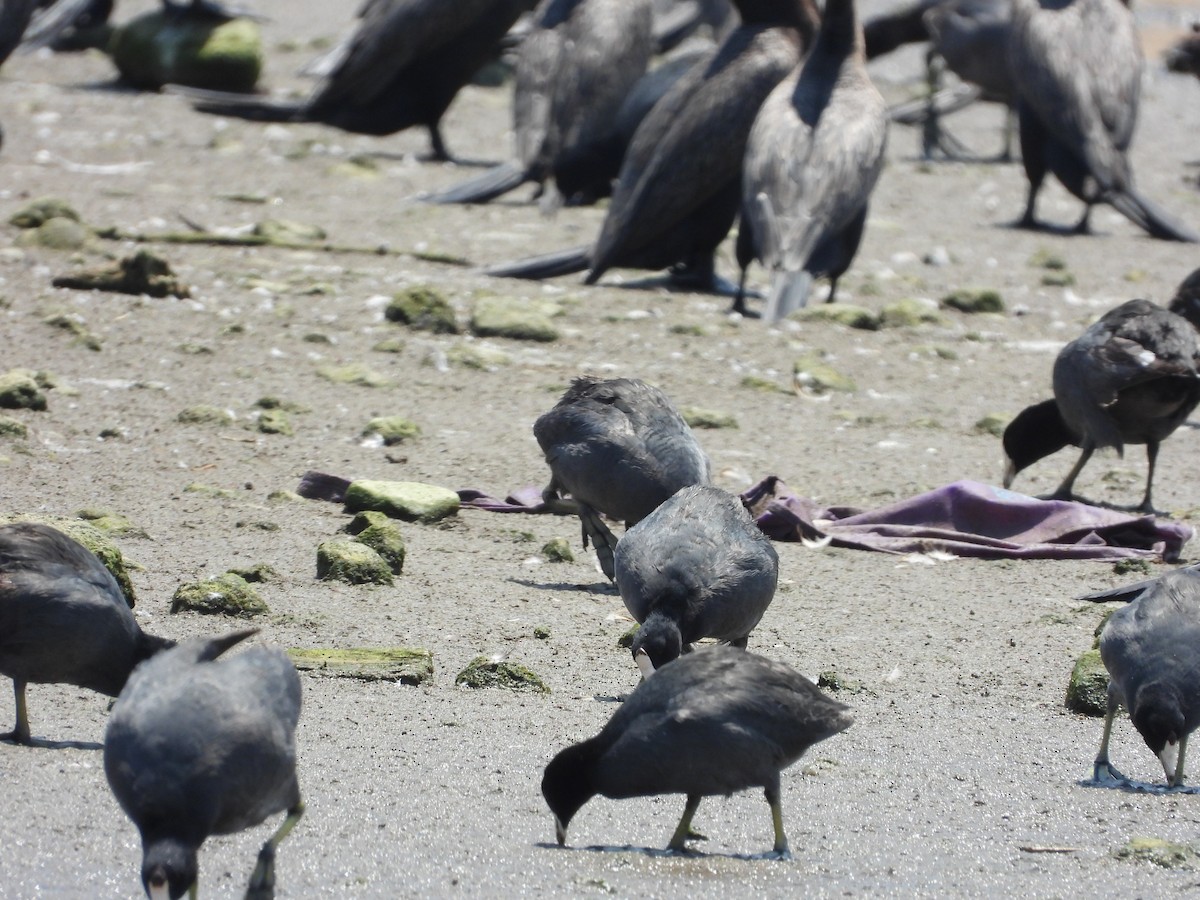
<point>197,746</point>
<point>620,448</point>
<point>696,567</point>
<point>706,724</point>
<point>1151,648</point>
<point>1131,378</point>
<point>63,618</point>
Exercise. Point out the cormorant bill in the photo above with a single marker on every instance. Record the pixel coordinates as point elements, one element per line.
<point>813,158</point>
<point>1077,68</point>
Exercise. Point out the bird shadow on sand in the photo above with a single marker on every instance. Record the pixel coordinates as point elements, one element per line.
<point>1133,786</point>
<point>659,852</point>
<point>722,287</point>
<point>43,744</point>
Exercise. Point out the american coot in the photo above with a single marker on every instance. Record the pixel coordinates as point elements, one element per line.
<point>1077,69</point>
<point>708,723</point>
<point>1151,648</point>
<point>1131,378</point>
<point>812,160</point>
<point>696,567</point>
<point>63,619</point>
<point>199,746</point>
<point>619,447</point>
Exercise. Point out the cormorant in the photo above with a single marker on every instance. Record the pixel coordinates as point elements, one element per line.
<point>680,183</point>
<point>574,70</point>
<point>1131,378</point>
<point>405,64</point>
<point>14,19</point>
<point>1077,68</point>
<point>814,155</point>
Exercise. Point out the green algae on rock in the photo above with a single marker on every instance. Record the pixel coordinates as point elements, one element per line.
<point>408,500</point>
<point>483,672</point>
<point>698,417</point>
<point>288,231</point>
<point>275,421</point>
<point>392,429</point>
<point>351,562</point>
<point>226,595</point>
<point>557,550</point>
<point>422,308</point>
<point>909,313</point>
<point>111,522</point>
<point>381,534</point>
<point>19,389</point>
<point>1087,690</point>
<point>408,665</point>
<point>38,212</point>
<point>842,314</point>
<point>159,48</point>
<point>1159,852</point>
<point>57,233</point>
<point>517,319</point>
<point>354,373</point>
<point>12,428</point>
<point>812,375</point>
<point>967,300</point>
<point>143,273</point>
<point>993,424</point>
<point>203,414</point>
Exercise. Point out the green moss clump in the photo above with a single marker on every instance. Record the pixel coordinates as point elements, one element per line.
<point>1132,567</point>
<point>257,573</point>
<point>204,415</point>
<point>625,641</point>
<point>909,313</point>
<point>40,211</point>
<point>541,632</point>
<point>1159,852</point>
<point>1087,691</point>
<point>422,308</point>
<point>974,301</point>
<point>58,233</point>
<point>393,429</point>
<point>288,231</point>
<point>19,390</point>
<point>226,595</point>
<point>811,374</point>
<point>157,48</point>
<point>353,374</point>
<point>486,673</point>
<point>381,534</point>
<point>408,500</point>
<point>408,665</point>
<point>993,424</point>
<point>111,522</point>
<point>518,320</point>
<point>275,421</point>
<point>842,314</point>
<point>557,550</point>
<point>12,428</point>
<point>352,562</point>
<point>697,417</point>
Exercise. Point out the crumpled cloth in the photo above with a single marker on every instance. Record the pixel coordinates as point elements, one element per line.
<point>966,518</point>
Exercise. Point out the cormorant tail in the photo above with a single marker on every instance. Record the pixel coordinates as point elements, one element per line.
<point>548,265</point>
<point>789,292</point>
<point>1153,218</point>
<point>493,183</point>
<point>242,106</point>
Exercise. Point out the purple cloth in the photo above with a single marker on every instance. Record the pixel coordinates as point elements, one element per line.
<point>967,518</point>
<point>526,499</point>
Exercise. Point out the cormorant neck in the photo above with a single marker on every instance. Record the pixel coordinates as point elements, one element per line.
<point>1035,433</point>
<point>801,15</point>
<point>840,32</point>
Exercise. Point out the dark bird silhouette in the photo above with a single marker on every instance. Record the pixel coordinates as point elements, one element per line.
<point>814,155</point>
<point>1077,68</point>
<point>15,16</point>
<point>198,746</point>
<point>712,722</point>
<point>678,191</point>
<point>1131,378</point>
<point>888,31</point>
<point>696,567</point>
<point>1151,648</point>
<point>63,618</point>
<point>404,66</point>
<point>1184,56</point>
<point>619,448</point>
<point>574,70</point>
<point>1186,301</point>
<point>677,20</point>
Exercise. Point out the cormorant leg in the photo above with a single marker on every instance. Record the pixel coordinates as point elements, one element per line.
<point>1177,781</point>
<point>781,849</point>
<point>933,82</point>
<point>194,890</point>
<point>683,829</point>
<point>603,540</point>
<point>262,880</point>
<point>1151,458</point>
<point>20,733</point>
<point>1010,117</point>
<point>833,280</point>
<point>739,299</point>
<point>740,643</point>
<point>1065,490</point>
<point>440,153</point>
<point>1084,225</point>
<point>1102,769</point>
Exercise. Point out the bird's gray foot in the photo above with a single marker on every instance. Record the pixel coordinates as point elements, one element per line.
<point>262,880</point>
<point>16,736</point>
<point>1104,773</point>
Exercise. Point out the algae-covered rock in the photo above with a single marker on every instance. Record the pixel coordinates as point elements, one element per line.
<point>993,424</point>
<point>478,356</point>
<point>76,326</point>
<point>408,665</point>
<point>518,319</point>
<point>1159,852</point>
<point>352,562</point>
<point>287,231</point>
<point>625,641</point>
<point>159,48</point>
<point>812,375</point>
<point>19,389</point>
<point>836,682</point>
<point>409,500</point>
<point>354,373</point>
<point>275,421</point>
<point>209,490</point>
<point>841,313</point>
<point>974,301</point>
<point>94,540</point>
<point>111,522</point>
<point>422,308</point>
<point>483,672</point>
<point>1058,279</point>
<point>142,273</point>
<point>908,313</point>
<point>57,233</point>
<point>257,573</point>
<point>558,550</point>
<point>393,429</point>
<point>1087,691</point>
<point>381,534</point>
<point>541,632</point>
<point>1100,627</point>
<point>1132,567</point>
<point>40,211</point>
<point>12,428</point>
<point>225,595</point>
<point>698,417</point>
<point>203,414</point>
